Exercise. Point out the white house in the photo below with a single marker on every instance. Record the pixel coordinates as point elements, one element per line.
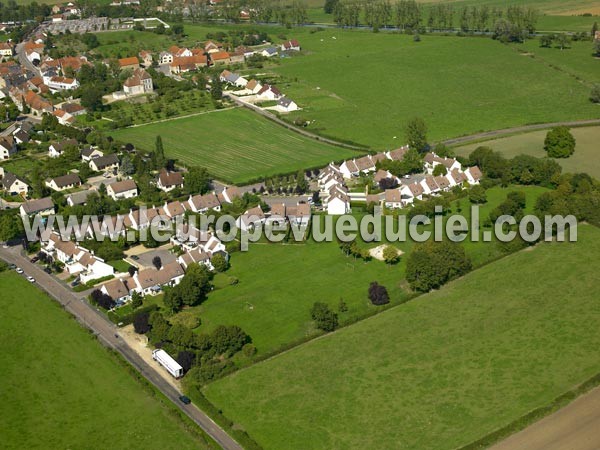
<point>42,207</point>
<point>286,104</point>
<point>122,189</point>
<point>57,148</point>
<point>105,163</point>
<point>68,181</point>
<point>8,147</point>
<point>291,45</point>
<point>251,218</point>
<point>167,181</point>
<point>13,184</point>
<point>268,92</point>
<point>473,175</point>
<point>432,160</point>
<point>117,289</point>
<point>89,153</point>
<point>150,281</point>
<point>269,52</point>
<point>349,169</point>
<point>338,204</point>
<point>139,83</point>
<point>61,83</point>
<point>202,203</point>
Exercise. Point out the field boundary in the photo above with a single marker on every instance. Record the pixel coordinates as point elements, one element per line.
<point>505,132</point>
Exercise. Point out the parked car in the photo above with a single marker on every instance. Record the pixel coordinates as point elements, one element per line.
<point>75,283</point>
<point>135,257</point>
<point>31,279</point>
<point>34,259</point>
<point>48,270</point>
<point>185,400</point>
<point>19,270</point>
<point>12,266</point>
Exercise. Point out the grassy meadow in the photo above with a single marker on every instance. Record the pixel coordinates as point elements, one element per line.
<point>279,283</point>
<point>61,388</point>
<point>585,159</point>
<point>438,372</point>
<point>235,145</point>
<point>383,80</point>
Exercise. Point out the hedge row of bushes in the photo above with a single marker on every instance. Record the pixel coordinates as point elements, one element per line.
<point>128,318</point>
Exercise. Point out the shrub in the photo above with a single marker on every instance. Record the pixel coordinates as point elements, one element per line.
<point>325,319</point>
<point>559,143</point>
<point>378,294</point>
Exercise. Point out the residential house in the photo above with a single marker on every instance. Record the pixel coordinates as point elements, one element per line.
<point>69,181</point>
<point>203,203</point>
<point>365,164</point>
<point>167,181</point>
<point>172,210</point>
<point>269,52</point>
<point>21,136</point>
<point>8,147</point>
<point>150,281</point>
<point>6,50</point>
<point>56,149</point>
<point>253,86</point>
<point>122,189</point>
<point>129,63</point>
<point>286,104</point>
<point>229,194</point>
<point>139,83</point>
<point>291,45</point>
<point>106,163</point>
<point>43,207</point>
<point>89,153</point>
<point>338,202</point>
<point>117,289</point>
<point>398,154</point>
<point>78,198</point>
<point>74,109</point>
<point>13,184</point>
<point>165,58</point>
<point>63,117</point>
<point>268,92</point>
<point>61,84</point>
<point>219,58</point>
<point>349,169</point>
<point>393,199</point>
<point>146,58</point>
<point>251,218</point>
<point>432,160</point>
<point>473,175</point>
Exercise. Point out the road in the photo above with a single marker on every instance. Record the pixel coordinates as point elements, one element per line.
<point>574,427</point>
<point>23,59</point>
<point>515,130</point>
<point>107,333</point>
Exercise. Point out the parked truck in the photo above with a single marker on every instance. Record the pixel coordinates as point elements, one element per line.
<point>165,360</point>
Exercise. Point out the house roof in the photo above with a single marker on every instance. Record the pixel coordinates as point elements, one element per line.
<point>123,186</point>
<point>364,163</point>
<point>67,180</point>
<point>116,288</point>
<point>351,166</point>
<point>206,201</point>
<point>9,179</point>
<point>105,161</point>
<point>300,210</point>
<point>168,179</point>
<point>89,151</point>
<point>219,56</point>
<point>131,61</point>
<point>393,195</point>
<point>285,102</point>
<point>60,146</point>
<point>79,198</point>
<point>139,75</point>
<point>398,154</point>
<point>72,108</point>
<point>475,172</point>
<point>34,206</point>
<point>381,175</point>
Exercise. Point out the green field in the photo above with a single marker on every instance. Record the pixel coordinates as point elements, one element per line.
<point>278,283</point>
<point>62,389</point>
<point>383,80</point>
<point>438,372</point>
<point>234,145</point>
<point>585,159</point>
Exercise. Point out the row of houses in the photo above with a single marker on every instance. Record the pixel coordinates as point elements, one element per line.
<point>333,191</point>
<point>279,215</point>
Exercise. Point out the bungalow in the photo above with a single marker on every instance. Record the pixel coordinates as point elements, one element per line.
<point>56,149</point>
<point>117,289</point>
<point>251,218</point>
<point>365,164</point>
<point>290,45</point>
<point>167,181</point>
<point>456,177</point>
<point>473,175</point>
<point>129,63</point>
<point>78,198</point>
<point>286,104</point>
<point>150,281</point>
<point>69,181</point>
<point>14,185</point>
<point>269,52</point>
<point>202,203</point>
<point>172,210</point>
<point>8,147</point>
<point>107,163</point>
<point>268,92</point>
<point>43,207</point>
<point>89,153</point>
<point>122,189</point>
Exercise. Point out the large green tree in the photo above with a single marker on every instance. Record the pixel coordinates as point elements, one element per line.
<point>416,134</point>
<point>559,143</point>
<point>197,180</point>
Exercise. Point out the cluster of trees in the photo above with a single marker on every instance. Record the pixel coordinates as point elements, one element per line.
<point>191,290</point>
<point>432,264</point>
<point>325,319</point>
<point>477,195</point>
<point>378,294</point>
<point>11,226</point>
<point>235,37</point>
<point>292,184</point>
<point>101,299</point>
<point>203,356</point>
<point>561,40</point>
<point>12,11</point>
<point>411,163</point>
<point>514,206</point>
<point>559,143</point>
<point>8,111</point>
<point>352,249</point>
<point>522,169</point>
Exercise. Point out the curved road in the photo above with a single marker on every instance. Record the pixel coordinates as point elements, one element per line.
<point>107,333</point>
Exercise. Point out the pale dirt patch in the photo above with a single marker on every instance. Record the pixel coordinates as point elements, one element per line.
<point>377,252</point>
<point>594,10</point>
<point>139,344</point>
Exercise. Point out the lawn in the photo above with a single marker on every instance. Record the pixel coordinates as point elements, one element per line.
<point>279,283</point>
<point>234,145</point>
<point>438,372</point>
<point>62,389</point>
<point>585,159</point>
<point>383,80</point>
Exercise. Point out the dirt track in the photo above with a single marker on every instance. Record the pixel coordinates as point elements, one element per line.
<point>574,427</point>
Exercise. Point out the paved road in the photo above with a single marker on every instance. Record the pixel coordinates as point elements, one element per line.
<point>574,427</point>
<point>507,131</point>
<point>23,59</point>
<point>107,333</point>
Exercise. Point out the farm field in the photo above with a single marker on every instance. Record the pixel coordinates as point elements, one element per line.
<point>405,79</point>
<point>61,389</point>
<point>438,372</point>
<point>279,283</point>
<point>235,145</point>
<point>585,159</point>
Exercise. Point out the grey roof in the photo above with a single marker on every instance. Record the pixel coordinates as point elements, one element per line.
<point>106,160</point>
<point>284,101</point>
<point>9,178</point>
<point>34,206</point>
<point>22,136</point>
<point>66,180</point>
<point>79,198</point>
<point>87,151</point>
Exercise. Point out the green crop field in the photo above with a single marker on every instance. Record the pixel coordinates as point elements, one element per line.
<point>61,388</point>
<point>438,372</point>
<point>383,80</point>
<point>235,145</point>
<point>585,159</point>
<point>279,283</point>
